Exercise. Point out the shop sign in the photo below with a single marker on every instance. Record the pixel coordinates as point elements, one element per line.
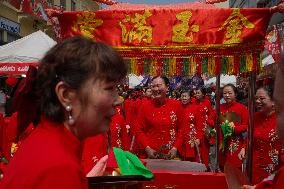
<point>9,25</point>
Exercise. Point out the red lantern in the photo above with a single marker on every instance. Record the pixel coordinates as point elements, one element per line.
<point>11,81</point>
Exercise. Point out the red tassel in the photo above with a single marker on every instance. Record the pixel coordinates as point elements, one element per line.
<point>236,64</point>
<point>179,66</point>
<point>198,64</point>
<point>218,65</point>
<point>159,66</point>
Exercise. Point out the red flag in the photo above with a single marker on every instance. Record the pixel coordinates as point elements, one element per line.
<point>273,44</point>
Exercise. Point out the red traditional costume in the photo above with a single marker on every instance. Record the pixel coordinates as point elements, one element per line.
<point>203,117</point>
<point>118,131</point>
<point>9,139</point>
<point>131,107</point>
<point>266,146</point>
<point>49,158</point>
<point>96,147</point>
<point>236,141</point>
<point>276,183</point>
<point>187,150</point>
<point>159,126</point>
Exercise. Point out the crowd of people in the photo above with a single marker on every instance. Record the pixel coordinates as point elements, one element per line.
<point>70,113</point>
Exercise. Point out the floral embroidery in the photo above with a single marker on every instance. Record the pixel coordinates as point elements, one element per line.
<point>118,134</point>
<point>173,117</point>
<point>272,153</point>
<point>234,144</point>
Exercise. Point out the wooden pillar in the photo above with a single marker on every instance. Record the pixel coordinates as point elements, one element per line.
<point>217,121</point>
<point>252,83</point>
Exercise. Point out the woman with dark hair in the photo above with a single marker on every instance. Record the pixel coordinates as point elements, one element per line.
<point>266,144</point>
<point>187,149</point>
<point>75,88</point>
<point>158,122</point>
<point>233,127</point>
<point>204,121</point>
<point>276,182</point>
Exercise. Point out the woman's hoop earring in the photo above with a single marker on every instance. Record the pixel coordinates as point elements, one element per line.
<point>71,120</point>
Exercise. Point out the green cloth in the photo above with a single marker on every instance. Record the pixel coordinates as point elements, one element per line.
<point>129,164</point>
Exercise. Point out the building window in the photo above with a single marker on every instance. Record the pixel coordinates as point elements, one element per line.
<point>1,35</point>
<point>12,37</point>
<point>73,5</point>
<point>63,4</point>
<point>50,2</point>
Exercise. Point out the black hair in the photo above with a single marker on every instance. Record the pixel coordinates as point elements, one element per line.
<point>165,79</point>
<point>233,87</point>
<point>74,61</point>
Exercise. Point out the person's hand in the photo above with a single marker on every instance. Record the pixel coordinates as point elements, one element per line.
<point>242,154</point>
<point>99,168</point>
<point>248,187</point>
<point>172,153</point>
<point>152,154</point>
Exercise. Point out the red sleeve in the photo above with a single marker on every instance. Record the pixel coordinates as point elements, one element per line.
<point>278,181</point>
<point>140,127</point>
<point>127,111</point>
<point>124,136</point>
<point>208,104</point>
<point>188,126</point>
<point>264,185</point>
<point>60,177</point>
<point>244,120</point>
<point>210,119</point>
<point>180,127</point>
<point>10,134</point>
<point>94,148</point>
<point>199,112</point>
<point>1,133</point>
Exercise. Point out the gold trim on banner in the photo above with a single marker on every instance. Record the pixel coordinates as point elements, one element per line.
<point>193,46</point>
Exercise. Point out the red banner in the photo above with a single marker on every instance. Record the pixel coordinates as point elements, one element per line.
<point>15,68</point>
<point>273,44</point>
<point>167,28</point>
<point>208,40</point>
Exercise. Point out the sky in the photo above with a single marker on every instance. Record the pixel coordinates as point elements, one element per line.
<point>157,1</point>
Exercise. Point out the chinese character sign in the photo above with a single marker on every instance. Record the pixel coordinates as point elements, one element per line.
<point>168,27</point>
